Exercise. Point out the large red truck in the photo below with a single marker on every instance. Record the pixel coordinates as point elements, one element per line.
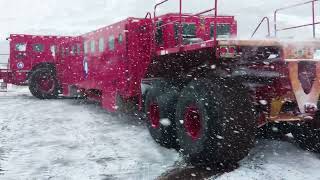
<point>27,53</point>
<point>203,91</point>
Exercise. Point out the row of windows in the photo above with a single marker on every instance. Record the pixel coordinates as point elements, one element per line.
<point>22,47</point>
<point>189,31</point>
<point>101,44</point>
<point>72,50</point>
<point>75,49</point>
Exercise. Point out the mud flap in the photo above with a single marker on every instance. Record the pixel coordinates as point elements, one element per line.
<point>109,101</point>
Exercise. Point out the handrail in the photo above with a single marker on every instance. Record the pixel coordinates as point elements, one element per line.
<point>180,18</point>
<point>203,12</point>
<point>268,24</point>
<point>148,14</point>
<point>156,6</point>
<point>314,23</point>
<point>215,26</point>
<point>192,15</point>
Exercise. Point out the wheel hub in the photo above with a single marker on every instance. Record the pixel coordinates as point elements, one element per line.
<point>154,115</point>
<point>192,122</point>
<point>45,83</point>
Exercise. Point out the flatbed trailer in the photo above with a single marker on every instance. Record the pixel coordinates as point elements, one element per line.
<point>204,92</point>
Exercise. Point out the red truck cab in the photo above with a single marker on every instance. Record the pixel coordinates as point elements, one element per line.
<point>195,29</point>
<point>27,53</point>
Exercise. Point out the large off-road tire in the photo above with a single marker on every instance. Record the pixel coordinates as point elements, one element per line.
<point>160,104</point>
<point>307,137</point>
<point>43,84</point>
<point>215,122</point>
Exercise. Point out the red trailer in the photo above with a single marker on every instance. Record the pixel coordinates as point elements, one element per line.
<point>115,58</point>
<point>203,92</point>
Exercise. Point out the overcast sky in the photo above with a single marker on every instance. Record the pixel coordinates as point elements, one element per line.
<point>74,17</point>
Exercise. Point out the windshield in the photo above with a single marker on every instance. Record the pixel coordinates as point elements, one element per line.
<point>223,30</point>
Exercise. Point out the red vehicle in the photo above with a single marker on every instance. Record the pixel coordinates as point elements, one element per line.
<point>27,53</point>
<point>203,92</point>
<point>112,56</point>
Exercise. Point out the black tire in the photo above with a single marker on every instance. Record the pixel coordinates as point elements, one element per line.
<point>162,96</point>
<point>45,73</point>
<point>227,119</point>
<point>307,137</point>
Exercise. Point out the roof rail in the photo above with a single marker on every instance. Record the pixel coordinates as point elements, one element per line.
<point>313,24</point>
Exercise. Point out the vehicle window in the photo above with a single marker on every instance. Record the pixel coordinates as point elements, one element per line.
<point>73,50</point>
<point>101,44</point>
<point>159,33</point>
<point>189,30</point>
<point>21,47</point>
<point>53,50</point>
<point>85,46</point>
<point>62,52</point>
<point>79,49</point>
<point>111,43</point>
<point>223,31</point>
<point>38,47</point>
<point>120,38</point>
<point>92,46</point>
<point>67,51</point>
<point>176,30</point>
<point>57,50</point>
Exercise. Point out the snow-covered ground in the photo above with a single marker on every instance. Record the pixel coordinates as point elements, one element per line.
<point>275,160</point>
<point>72,139</point>
<point>65,139</point>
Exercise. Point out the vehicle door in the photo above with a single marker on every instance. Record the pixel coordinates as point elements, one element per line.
<point>19,56</point>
